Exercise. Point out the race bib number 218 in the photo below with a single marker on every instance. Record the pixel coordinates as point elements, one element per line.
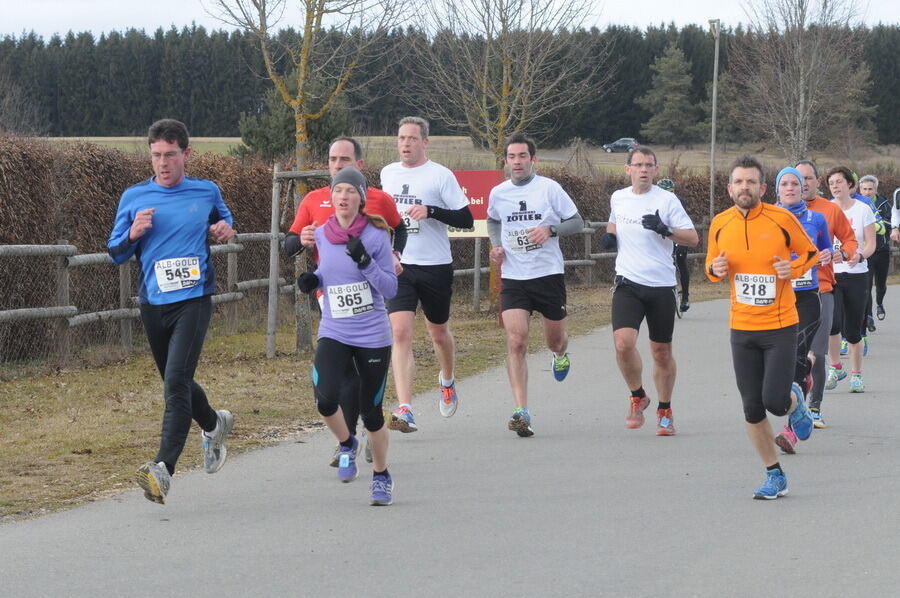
<point>754,289</point>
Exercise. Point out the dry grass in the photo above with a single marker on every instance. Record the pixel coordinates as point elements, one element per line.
<point>75,436</point>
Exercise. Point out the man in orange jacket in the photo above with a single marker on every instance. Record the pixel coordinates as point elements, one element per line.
<point>750,244</point>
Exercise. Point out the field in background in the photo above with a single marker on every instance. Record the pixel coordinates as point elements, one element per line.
<point>457,152</point>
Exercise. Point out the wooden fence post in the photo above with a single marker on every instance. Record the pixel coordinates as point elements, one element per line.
<point>124,301</point>
<point>62,300</point>
<point>476,282</point>
<point>588,241</point>
<point>231,281</point>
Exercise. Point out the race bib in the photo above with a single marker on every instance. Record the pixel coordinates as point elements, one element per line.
<point>517,241</point>
<point>803,282</point>
<point>412,225</point>
<point>754,289</point>
<point>348,300</point>
<point>177,273</point>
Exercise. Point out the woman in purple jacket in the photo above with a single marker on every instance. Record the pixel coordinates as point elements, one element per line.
<point>356,274</point>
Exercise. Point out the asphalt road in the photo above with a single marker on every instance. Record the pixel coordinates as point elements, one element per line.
<point>583,508</point>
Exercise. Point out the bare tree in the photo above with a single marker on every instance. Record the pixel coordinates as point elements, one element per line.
<point>18,113</point>
<point>795,70</point>
<point>492,67</point>
<point>338,38</point>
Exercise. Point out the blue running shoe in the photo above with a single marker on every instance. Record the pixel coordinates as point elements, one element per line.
<point>800,418</point>
<point>835,375</point>
<point>347,470</point>
<point>520,422</point>
<point>382,490</point>
<point>844,346</point>
<point>818,422</point>
<point>774,486</point>
<point>560,366</point>
<point>856,383</point>
<point>402,419</point>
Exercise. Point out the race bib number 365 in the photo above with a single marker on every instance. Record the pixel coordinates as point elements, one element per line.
<point>177,273</point>
<point>754,289</point>
<point>348,300</point>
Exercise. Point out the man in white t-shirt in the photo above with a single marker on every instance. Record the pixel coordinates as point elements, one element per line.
<point>644,223</point>
<point>526,215</point>
<point>429,200</point>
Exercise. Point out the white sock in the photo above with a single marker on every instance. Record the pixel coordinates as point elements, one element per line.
<point>444,382</point>
<point>407,405</point>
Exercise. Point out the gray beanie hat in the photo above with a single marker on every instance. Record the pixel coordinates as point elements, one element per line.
<point>351,175</point>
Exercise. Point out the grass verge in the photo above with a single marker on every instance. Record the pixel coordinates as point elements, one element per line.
<point>75,436</point>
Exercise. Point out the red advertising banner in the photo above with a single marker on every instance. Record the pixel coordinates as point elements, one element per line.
<point>477,185</point>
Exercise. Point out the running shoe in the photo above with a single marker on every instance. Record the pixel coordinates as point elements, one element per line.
<point>402,419</point>
<point>347,470</point>
<point>449,399</point>
<point>800,418</point>
<point>685,305</point>
<point>879,311</point>
<point>560,366</point>
<point>665,425</point>
<point>870,323</point>
<point>774,486</point>
<point>818,422</point>
<point>382,490</point>
<point>635,417</point>
<point>786,440</point>
<point>335,459</point>
<point>835,375</point>
<point>520,422</point>
<point>865,342</point>
<point>856,383</point>
<point>844,346</point>
<point>213,446</point>
<point>154,478</point>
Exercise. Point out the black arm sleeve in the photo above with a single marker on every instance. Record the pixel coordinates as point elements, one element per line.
<point>400,236</point>
<point>461,218</point>
<point>292,244</point>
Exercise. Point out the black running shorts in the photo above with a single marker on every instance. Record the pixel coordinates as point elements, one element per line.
<point>632,302</point>
<point>432,285</point>
<point>546,295</point>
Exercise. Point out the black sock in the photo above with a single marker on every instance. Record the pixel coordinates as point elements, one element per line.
<point>662,405</point>
<point>348,443</point>
<point>639,393</point>
<point>774,467</point>
<point>385,472</point>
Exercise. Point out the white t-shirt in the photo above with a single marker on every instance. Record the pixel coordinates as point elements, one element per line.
<point>860,216</point>
<point>895,209</point>
<point>430,184</point>
<point>540,202</point>
<point>645,257</point>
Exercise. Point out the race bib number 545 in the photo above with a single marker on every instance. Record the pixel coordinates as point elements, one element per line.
<point>754,289</point>
<point>177,273</point>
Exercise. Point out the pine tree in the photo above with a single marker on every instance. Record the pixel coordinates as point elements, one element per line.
<point>674,117</point>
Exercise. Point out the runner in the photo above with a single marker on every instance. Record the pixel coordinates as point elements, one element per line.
<point>165,223</point>
<point>644,223</point>
<point>680,255</point>
<point>315,209</point>
<point>880,261</point>
<point>750,244</point>
<point>429,199</point>
<point>788,190</point>
<point>839,228</point>
<point>357,273</point>
<point>851,276</point>
<point>526,215</point>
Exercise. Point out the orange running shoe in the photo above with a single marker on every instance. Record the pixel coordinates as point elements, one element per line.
<point>635,417</point>
<point>665,425</point>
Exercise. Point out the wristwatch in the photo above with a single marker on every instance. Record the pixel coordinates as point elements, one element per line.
<point>553,230</point>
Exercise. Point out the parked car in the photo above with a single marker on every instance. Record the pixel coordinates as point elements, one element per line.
<point>621,145</point>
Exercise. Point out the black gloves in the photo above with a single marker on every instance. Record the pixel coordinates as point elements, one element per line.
<point>654,222</point>
<point>307,282</point>
<point>357,252</point>
<point>609,241</point>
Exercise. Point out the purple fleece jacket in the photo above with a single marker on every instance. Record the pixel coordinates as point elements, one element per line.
<point>370,329</point>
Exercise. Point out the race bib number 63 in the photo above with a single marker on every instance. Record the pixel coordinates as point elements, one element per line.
<point>754,289</point>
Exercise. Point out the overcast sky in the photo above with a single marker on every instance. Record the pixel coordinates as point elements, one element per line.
<point>46,17</point>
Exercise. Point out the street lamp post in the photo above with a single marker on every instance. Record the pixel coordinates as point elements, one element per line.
<point>714,28</point>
